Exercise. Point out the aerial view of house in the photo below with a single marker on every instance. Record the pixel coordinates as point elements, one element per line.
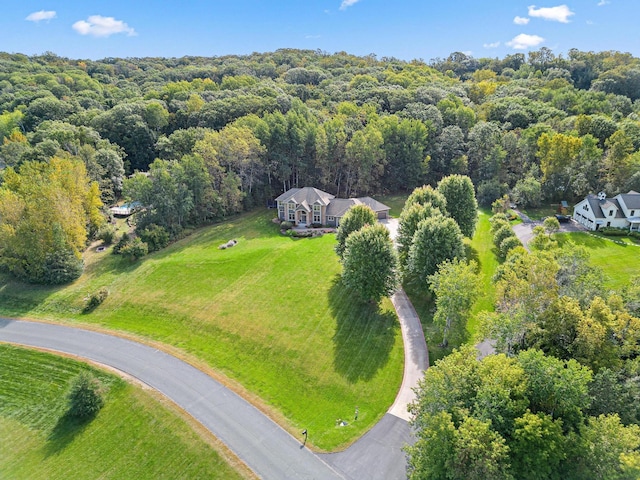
<point>308,206</point>
<point>621,211</point>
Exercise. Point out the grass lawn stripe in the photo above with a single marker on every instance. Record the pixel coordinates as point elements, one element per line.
<point>135,435</point>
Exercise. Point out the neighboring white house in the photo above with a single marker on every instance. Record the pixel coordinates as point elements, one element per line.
<point>621,211</point>
<point>308,205</point>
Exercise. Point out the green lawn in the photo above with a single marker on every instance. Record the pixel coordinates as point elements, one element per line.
<point>617,257</point>
<point>269,314</point>
<point>480,249</point>
<point>135,435</point>
<point>395,202</point>
<point>539,213</point>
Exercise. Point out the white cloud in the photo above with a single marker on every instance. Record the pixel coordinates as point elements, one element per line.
<point>41,15</point>
<point>561,13</point>
<point>521,20</point>
<point>602,3</point>
<point>99,26</point>
<point>491,45</point>
<point>347,3</point>
<point>524,41</point>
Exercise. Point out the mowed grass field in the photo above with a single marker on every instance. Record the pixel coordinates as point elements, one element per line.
<point>269,314</point>
<point>616,257</point>
<point>135,435</point>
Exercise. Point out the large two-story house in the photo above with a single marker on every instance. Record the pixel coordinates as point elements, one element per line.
<point>621,211</point>
<point>308,206</point>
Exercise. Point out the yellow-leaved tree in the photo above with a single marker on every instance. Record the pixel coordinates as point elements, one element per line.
<point>47,210</point>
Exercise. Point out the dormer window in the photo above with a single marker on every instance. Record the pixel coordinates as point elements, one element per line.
<point>611,213</point>
<point>632,213</point>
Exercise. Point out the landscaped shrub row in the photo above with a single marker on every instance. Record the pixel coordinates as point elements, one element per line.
<point>504,238</point>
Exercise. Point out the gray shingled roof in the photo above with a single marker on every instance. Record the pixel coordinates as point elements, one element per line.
<point>599,207</point>
<point>631,200</point>
<point>309,195</point>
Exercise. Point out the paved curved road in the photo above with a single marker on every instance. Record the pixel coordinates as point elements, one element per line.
<point>270,451</point>
<point>259,442</point>
<point>267,449</point>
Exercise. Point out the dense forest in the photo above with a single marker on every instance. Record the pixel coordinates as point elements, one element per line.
<point>215,136</point>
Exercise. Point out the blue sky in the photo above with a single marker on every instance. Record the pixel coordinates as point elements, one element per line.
<point>406,29</point>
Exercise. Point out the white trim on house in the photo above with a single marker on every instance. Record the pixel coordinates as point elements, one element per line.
<point>596,211</point>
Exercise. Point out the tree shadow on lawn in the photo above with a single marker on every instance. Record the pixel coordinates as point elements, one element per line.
<point>364,335</point>
<point>65,430</point>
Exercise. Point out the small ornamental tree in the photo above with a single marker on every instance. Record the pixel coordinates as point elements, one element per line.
<point>85,396</point>
<point>551,225</point>
<point>437,239</point>
<point>369,263</point>
<point>461,202</point>
<point>356,217</point>
<point>134,250</point>
<point>456,288</point>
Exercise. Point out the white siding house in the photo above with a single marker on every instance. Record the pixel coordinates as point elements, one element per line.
<point>621,211</point>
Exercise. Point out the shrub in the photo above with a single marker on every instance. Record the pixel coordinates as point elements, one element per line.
<point>123,242</point>
<point>85,396</point>
<point>502,233</point>
<point>614,232</point>
<point>316,225</point>
<point>286,225</point>
<point>155,236</point>
<point>498,224</point>
<point>107,233</point>
<point>134,250</point>
<point>507,245</point>
<point>96,299</point>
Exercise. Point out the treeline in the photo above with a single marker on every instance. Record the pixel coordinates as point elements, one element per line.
<point>218,135</point>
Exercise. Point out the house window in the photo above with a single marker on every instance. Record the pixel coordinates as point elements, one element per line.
<point>292,212</point>
<point>632,213</point>
<point>611,213</point>
<point>281,210</point>
<point>330,219</point>
<point>316,214</point>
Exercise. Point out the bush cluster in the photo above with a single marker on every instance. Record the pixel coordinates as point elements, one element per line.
<point>95,299</point>
<point>614,232</point>
<point>504,238</point>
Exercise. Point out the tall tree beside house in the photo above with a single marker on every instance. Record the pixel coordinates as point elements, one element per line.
<point>412,214</point>
<point>46,213</point>
<point>436,240</point>
<point>461,202</point>
<point>356,217</point>
<point>369,263</point>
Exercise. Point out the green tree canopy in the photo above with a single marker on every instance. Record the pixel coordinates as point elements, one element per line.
<point>353,220</point>
<point>370,264</point>
<point>461,202</point>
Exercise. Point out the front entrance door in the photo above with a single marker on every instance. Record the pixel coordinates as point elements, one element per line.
<point>303,217</point>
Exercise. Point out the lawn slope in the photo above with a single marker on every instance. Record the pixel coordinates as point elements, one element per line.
<point>269,313</point>
<point>134,436</point>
